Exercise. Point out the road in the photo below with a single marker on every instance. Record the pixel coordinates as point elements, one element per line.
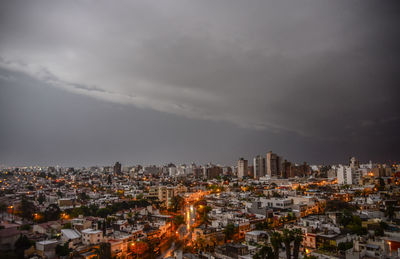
<point>189,213</point>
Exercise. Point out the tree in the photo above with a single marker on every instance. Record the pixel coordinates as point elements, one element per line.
<point>67,225</point>
<point>176,203</point>
<point>265,252</point>
<point>21,245</point>
<point>63,250</point>
<point>41,198</point>
<point>343,246</point>
<point>52,212</point>
<point>389,212</point>
<point>3,208</point>
<point>287,238</point>
<point>297,238</point>
<point>229,231</point>
<point>26,209</point>
<point>103,251</point>
<point>276,243</point>
<point>178,220</point>
<point>60,194</point>
<point>83,196</point>
<point>338,205</point>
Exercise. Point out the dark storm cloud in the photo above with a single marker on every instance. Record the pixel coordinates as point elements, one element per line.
<point>323,72</point>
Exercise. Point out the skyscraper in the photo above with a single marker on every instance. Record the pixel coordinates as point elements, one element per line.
<point>273,164</point>
<point>259,166</point>
<point>117,168</point>
<point>242,168</point>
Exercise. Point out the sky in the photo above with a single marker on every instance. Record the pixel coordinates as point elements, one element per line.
<point>87,82</point>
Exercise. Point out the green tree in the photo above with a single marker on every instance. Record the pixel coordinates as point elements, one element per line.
<point>345,246</point>
<point>26,209</point>
<point>67,225</point>
<point>276,243</point>
<point>103,251</point>
<point>41,198</point>
<point>21,245</point>
<point>63,250</point>
<point>178,220</point>
<point>390,211</point>
<point>176,203</point>
<point>3,208</point>
<point>265,252</point>
<point>83,197</point>
<point>287,238</point>
<point>229,231</point>
<point>297,238</point>
<point>52,212</point>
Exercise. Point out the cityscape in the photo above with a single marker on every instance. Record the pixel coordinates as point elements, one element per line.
<point>199,129</point>
<point>267,208</point>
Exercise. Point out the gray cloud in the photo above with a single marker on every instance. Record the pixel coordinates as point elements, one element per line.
<point>323,70</point>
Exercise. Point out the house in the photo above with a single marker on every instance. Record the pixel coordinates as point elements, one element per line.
<point>8,236</point>
<point>310,240</point>
<point>72,236</point>
<point>91,236</point>
<point>231,250</point>
<point>81,223</point>
<point>47,248</point>
<point>256,236</point>
<point>49,228</point>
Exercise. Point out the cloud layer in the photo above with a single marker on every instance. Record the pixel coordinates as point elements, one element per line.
<point>319,69</point>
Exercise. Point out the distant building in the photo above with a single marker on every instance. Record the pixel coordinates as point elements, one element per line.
<point>273,164</point>
<point>348,175</point>
<point>259,166</point>
<point>212,171</point>
<point>117,168</point>
<point>242,168</point>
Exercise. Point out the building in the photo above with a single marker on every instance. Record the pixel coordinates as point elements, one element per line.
<point>242,168</point>
<point>165,193</point>
<point>256,236</point>
<point>91,236</point>
<point>273,164</point>
<point>212,171</point>
<point>47,248</point>
<point>117,168</point>
<point>259,166</point>
<point>348,175</point>
<point>72,236</point>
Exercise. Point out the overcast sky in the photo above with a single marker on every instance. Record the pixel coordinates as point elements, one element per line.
<point>94,82</point>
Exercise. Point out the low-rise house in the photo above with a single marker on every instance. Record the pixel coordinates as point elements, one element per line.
<point>8,236</point>
<point>47,248</point>
<point>256,236</point>
<point>91,236</point>
<point>49,228</point>
<point>72,236</point>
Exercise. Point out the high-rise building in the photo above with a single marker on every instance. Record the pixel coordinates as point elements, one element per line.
<point>117,168</point>
<point>259,166</point>
<point>287,170</point>
<point>242,168</point>
<point>273,164</point>
<point>348,175</point>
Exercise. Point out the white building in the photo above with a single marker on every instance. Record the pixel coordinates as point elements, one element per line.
<point>280,203</point>
<point>259,166</point>
<point>348,175</point>
<point>72,236</point>
<point>91,236</point>
<point>242,168</point>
